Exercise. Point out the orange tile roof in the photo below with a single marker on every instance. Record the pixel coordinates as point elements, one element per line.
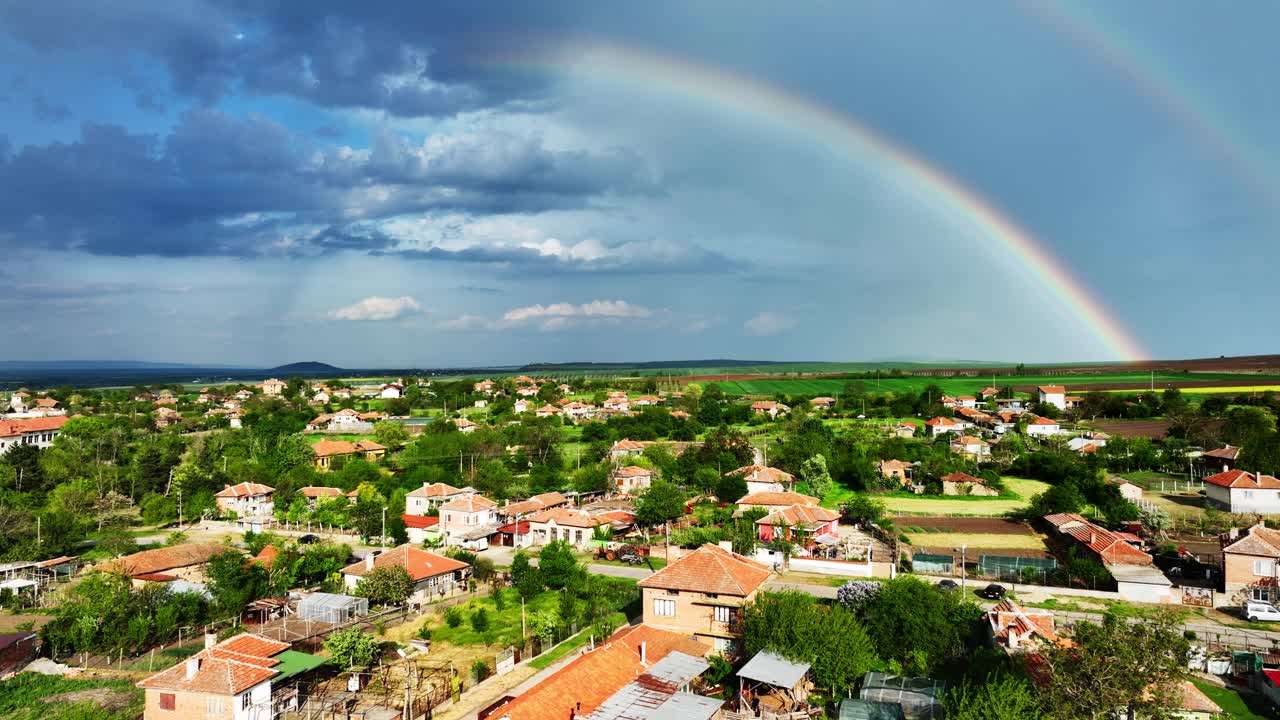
<point>566,517</point>
<point>626,444</point>
<point>1044,421</point>
<point>631,471</point>
<point>267,556</point>
<point>420,563</point>
<point>244,489</point>
<point>421,522</point>
<point>1052,389</point>
<point>959,477</point>
<point>799,515</point>
<point>330,448</point>
<point>434,490</point>
<point>314,491</point>
<point>1008,614</point>
<point>1257,540</point>
<point>228,668</point>
<point>469,503</point>
<point>939,422</point>
<point>1107,545</point>
<point>1239,479</point>
<point>710,569</point>
<point>762,473</point>
<point>12,428</point>
<point>777,498</point>
<point>166,558</point>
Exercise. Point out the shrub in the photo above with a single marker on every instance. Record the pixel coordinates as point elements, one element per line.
<point>453,617</point>
<point>480,620</point>
<point>479,670</point>
<point>855,594</point>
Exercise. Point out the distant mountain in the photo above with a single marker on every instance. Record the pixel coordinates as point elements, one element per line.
<point>310,366</point>
<point>662,364</point>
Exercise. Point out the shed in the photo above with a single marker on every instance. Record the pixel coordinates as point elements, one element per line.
<point>770,669</point>
<point>919,697</point>
<point>856,709</point>
<point>331,607</point>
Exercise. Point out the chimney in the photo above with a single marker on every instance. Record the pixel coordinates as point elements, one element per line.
<point>210,640</point>
<point>644,657</point>
<point>368,561</point>
<point>193,667</point>
<point>726,545</point>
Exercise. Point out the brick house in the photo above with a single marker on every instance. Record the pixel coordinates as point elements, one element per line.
<point>246,499</point>
<point>761,478</point>
<point>1250,563</point>
<point>800,524</point>
<point>1238,491</point>
<point>433,575</point>
<point>468,521</point>
<point>958,483</point>
<point>702,595</point>
<point>632,479</point>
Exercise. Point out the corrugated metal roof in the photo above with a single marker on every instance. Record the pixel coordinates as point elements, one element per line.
<point>687,706</point>
<point>772,668</point>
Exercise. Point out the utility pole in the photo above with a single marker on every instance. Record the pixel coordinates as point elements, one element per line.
<point>384,527</point>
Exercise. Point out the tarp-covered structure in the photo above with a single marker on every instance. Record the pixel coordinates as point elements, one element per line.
<point>919,697</point>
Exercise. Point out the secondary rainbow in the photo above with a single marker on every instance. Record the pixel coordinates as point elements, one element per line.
<point>795,113</point>
<point>1156,81</point>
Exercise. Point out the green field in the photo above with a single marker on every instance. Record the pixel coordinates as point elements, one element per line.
<point>975,506</point>
<point>1232,702</point>
<point>1076,383</point>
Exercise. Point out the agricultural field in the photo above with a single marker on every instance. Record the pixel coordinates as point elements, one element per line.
<point>971,506</point>
<point>1076,383</point>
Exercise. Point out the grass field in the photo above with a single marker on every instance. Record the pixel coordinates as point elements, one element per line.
<point>977,506</point>
<point>31,696</point>
<point>978,540</point>
<point>1231,702</point>
<point>1224,390</point>
<point>965,385</point>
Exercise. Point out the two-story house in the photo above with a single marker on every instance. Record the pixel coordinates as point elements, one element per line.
<point>468,521</point>
<point>800,524</point>
<point>271,387</point>
<point>1043,427</point>
<point>36,431</point>
<point>433,495</point>
<point>761,478</point>
<point>1238,491</point>
<point>247,499</point>
<point>1055,395</point>
<point>1251,564</point>
<point>632,479</point>
<point>702,594</point>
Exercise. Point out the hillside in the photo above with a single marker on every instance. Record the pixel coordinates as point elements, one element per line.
<point>310,366</point>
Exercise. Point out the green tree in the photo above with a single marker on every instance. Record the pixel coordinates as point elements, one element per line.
<point>480,621</point>
<point>544,624</point>
<point>233,583</point>
<point>557,566</point>
<point>391,434</point>
<point>916,624</point>
<point>794,625</point>
<point>352,649</point>
<point>730,488</point>
<point>387,585</point>
<point>662,502</point>
<point>524,577</point>
<point>814,472</point>
<point>1001,697</point>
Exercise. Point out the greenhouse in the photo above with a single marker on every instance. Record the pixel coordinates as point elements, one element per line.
<point>331,607</point>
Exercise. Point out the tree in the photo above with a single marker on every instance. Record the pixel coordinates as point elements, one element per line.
<point>233,583</point>
<point>352,649</point>
<point>1001,697</point>
<point>556,565</point>
<point>795,626</point>
<point>387,585</point>
<point>661,503</point>
<point>524,577</point>
<point>814,472</point>
<point>544,624</point>
<point>863,510</point>
<point>855,594</point>
<point>730,488</point>
<point>391,434</point>
<point>914,623</point>
<point>1117,664</point>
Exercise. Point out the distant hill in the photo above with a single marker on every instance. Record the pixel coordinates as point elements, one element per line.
<point>310,366</point>
<point>660,364</point>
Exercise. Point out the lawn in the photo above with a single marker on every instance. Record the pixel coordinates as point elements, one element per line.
<point>544,661</point>
<point>979,506</point>
<point>349,437</point>
<point>31,696</point>
<point>1232,702</point>
<point>166,658</point>
<point>978,540</point>
<point>504,625</point>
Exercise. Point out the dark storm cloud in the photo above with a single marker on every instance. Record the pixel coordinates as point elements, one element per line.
<point>629,259</point>
<point>222,185</point>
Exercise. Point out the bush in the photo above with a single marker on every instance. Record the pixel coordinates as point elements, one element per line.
<point>424,632</point>
<point>479,670</point>
<point>453,617</point>
<point>480,620</point>
<point>855,594</point>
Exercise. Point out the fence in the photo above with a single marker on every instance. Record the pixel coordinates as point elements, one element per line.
<point>1016,569</point>
<point>932,564</point>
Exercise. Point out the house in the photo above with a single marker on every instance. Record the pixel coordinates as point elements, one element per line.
<point>166,416</point>
<point>1055,395</point>
<point>679,415</point>
<point>1015,628</point>
<point>34,431</point>
<point>634,664</point>
<point>433,495</point>
<point>905,430</point>
<point>391,391</point>
<point>966,401</point>
<point>246,499</point>
<point>702,595</point>
<point>468,521</point>
<point>513,510</point>
<point>958,483</point>
<point>773,500</point>
<point>1128,490</point>
<point>328,450</point>
<point>433,575</point>
<point>1043,427</point>
<point>421,528</point>
<point>464,425</point>
<point>547,411</point>
<point>823,403</point>
<point>804,525</point>
<point>320,398</point>
<point>625,447</point>
<point>632,479</point>
<point>1250,564</point>
<point>646,401</point>
<point>18,402</point>
<point>484,386</point>
<point>185,561</point>
<point>761,478</point>
<point>47,407</point>
<point>939,425</point>
<point>769,407</point>
<point>1136,576</point>
<point>988,392</point>
<point>245,677</point>
<point>527,390</point>
<point>1221,459</point>
<point>1238,491</point>
<point>576,410</point>
<point>243,395</point>
<point>572,526</point>
<point>971,446</point>
<point>1193,704</point>
<point>271,387</point>
<point>314,494</point>
<point>1087,443</point>
<point>896,470</point>
<point>521,406</point>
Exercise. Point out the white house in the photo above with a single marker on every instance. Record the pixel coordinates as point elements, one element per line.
<point>18,402</point>
<point>764,479</point>
<point>1243,492</point>
<point>971,446</point>
<point>1043,427</point>
<point>246,499</point>
<point>469,521</point>
<point>1055,395</point>
<point>433,575</point>
<point>464,425</point>
<point>34,431</point>
<point>320,398</point>
<point>632,479</point>
<point>522,405</point>
<point>391,391</point>
<point>939,425</point>
<point>420,501</point>
<point>272,386</point>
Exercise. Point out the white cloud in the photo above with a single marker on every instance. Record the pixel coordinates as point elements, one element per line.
<point>378,308</point>
<point>558,316</point>
<point>768,323</point>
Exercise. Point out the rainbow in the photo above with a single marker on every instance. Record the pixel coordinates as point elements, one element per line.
<point>795,113</point>
<point>1158,83</point>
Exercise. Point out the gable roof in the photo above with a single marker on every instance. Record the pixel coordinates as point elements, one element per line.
<point>631,471</point>
<point>799,515</point>
<point>1258,540</point>
<point>566,517</point>
<point>11,428</point>
<point>434,490</point>
<point>420,563</point>
<point>1044,421</point>
<point>166,558</point>
<point>959,477</point>
<point>1239,479</point>
<point>763,474</point>
<point>1007,614</point>
<point>894,465</point>
<point>710,569</point>
<point>319,491</point>
<point>626,444</point>
<point>244,489</point>
<point>228,668</point>
<point>421,522</point>
<point>474,502</point>
<point>329,448</point>
<point>777,498</point>
<point>940,421</point>
<point>1224,453</point>
<point>1052,389</point>
<point>1107,545</point>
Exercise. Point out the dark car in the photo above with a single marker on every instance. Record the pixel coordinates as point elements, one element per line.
<point>948,585</point>
<point>992,592</point>
<point>308,539</point>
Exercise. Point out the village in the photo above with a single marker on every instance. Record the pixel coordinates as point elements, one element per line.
<point>523,548</point>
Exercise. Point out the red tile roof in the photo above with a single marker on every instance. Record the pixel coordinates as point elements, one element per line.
<point>1239,479</point>
<point>1224,453</point>
<point>245,489</point>
<point>777,498</point>
<point>267,556</point>
<point>1106,545</point>
<point>1044,421</point>
<point>469,503</point>
<point>313,491</point>
<point>626,444</point>
<point>166,558</point>
<point>421,522</point>
<point>434,490</point>
<point>939,421</point>
<point>710,569</point>
<point>959,477</point>
<point>1008,614</point>
<point>799,515</point>
<point>12,428</point>
<point>1052,389</point>
<point>420,563</point>
<point>228,668</point>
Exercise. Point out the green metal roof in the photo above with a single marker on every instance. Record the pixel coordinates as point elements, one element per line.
<point>293,663</point>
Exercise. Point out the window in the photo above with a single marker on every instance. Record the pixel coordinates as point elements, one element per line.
<point>1260,594</point>
<point>166,701</point>
<point>663,607</point>
<point>213,706</point>
<point>1265,568</point>
<point>246,700</point>
<point>724,614</point>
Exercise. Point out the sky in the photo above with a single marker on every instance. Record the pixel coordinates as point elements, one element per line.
<point>454,183</point>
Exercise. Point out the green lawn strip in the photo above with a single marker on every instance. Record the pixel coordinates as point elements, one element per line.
<point>545,660</point>
<point>1232,702</point>
<point>165,658</point>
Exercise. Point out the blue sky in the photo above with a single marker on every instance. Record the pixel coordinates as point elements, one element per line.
<point>432,184</point>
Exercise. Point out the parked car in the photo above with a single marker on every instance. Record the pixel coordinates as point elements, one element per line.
<point>308,539</point>
<point>1254,611</point>
<point>992,592</point>
<point>948,585</point>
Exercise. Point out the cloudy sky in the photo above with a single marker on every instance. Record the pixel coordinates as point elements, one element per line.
<point>433,184</point>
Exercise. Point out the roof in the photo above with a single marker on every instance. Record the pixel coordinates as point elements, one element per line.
<point>777,498</point>
<point>800,515</point>
<point>939,421</point>
<point>474,502</point>
<point>1107,545</point>
<point>710,569</point>
<point>959,477</point>
<point>166,558</point>
<point>1052,389</point>
<point>1044,421</point>
<point>267,556</point>
<point>420,563</point>
<point>1007,614</point>
<point>856,709</point>
<point>11,428</point>
<point>1194,700</point>
<point>1257,540</point>
<point>632,471</point>
<point>228,668</point>
<point>245,489</point>
<point>1224,453</point>
<point>773,669</point>
<point>1060,520</point>
<point>636,699</point>
<point>894,465</point>
<point>763,473</point>
<point>626,444</point>
<point>565,516</point>
<point>329,448</point>
<point>1239,479</point>
<point>589,680</point>
<point>434,490</point>
<point>314,491</point>
<point>421,522</point>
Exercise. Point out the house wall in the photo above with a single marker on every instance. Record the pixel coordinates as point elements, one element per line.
<point>185,705</point>
<point>690,617</point>
<point>1237,500</point>
<point>1238,574</point>
<point>1141,592</point>
<point>954,488</point>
